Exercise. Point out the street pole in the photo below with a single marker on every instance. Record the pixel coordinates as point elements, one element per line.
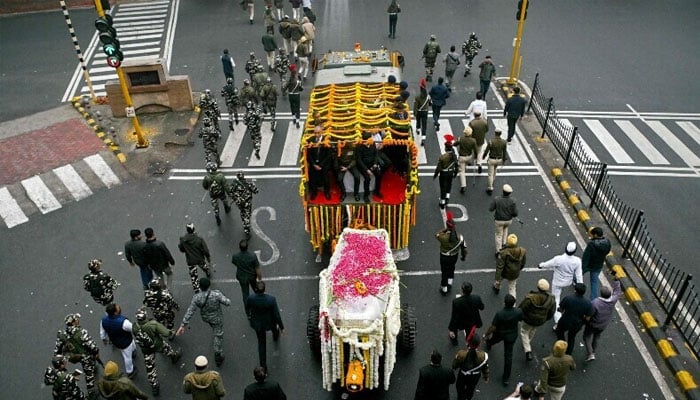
<point>141,142</point>
<point>516,45</point>
<point>79,52</point>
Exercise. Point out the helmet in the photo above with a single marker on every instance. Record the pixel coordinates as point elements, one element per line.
<point>249,104</point>
<point>246,82</point>
<point>252,55</point>
<point>229,80</point>
<point>212,167</point>
<point>472,35</point>
<point>281,50</point>
<point>259,68</point>
<point>141,314</point>
<point>268,80</point>
<point>95,264</point>
<point>240,175</point>
<point>154,284</point>
<point>58,361</point>
<point>207,92</point>
<point>70,318</point>
<point>206,121</point>
<point>432,37</point>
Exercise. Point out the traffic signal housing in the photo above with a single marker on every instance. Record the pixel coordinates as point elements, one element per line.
<point>520,10</point>
<point>110,43</point>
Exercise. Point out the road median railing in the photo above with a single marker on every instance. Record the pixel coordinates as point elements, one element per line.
<point>672,287</point>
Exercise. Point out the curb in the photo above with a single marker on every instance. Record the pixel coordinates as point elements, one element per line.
<point>666,348</point>
<point>98,130</point>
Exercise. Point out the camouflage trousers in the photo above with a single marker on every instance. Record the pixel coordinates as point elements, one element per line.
<point>211,152</point>
<point>194,275</point>
<point>256,137</point>
<point>88,364</point>
<point>246,209</point>
<point>215,204</point>
<point>232,115</point>
<point>218,342</point>
<point>150,361</point>
<point>283,81</point>
<point>273,113</point>
<point>165,317</point>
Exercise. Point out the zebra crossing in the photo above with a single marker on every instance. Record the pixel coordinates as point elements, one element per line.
<point>280,151</point>
<point>144,30</point>
<point>635,145</point>
<point>51,190</point>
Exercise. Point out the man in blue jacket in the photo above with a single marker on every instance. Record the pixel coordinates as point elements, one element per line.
<point>264,316</point>
<point>117,328</point>
<point>438,97</point>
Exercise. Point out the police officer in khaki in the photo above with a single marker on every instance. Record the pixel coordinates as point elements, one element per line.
<point>466,153</point>
<point>497,152</point>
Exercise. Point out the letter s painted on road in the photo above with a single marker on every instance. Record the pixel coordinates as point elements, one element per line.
<point>258,232</point>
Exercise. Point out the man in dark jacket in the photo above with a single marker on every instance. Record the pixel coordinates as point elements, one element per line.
<point>504,210</point>
<point>158,257</point>
<point>576,310</point>
<point>368,159</point>
<point>434,380</point>
<point>511,260</point>
<point>133,252</point>
<point>538,307</point>
<point>264,316</point>
<point>247,271</point>
<point>594,258</point>
<point>465,313</point>
<point>319,163</point>
<point>514,110</point>
<point>603,309</point>
<point>438,96</point>
<point>117,329</point>
<point>263,389</point>
<point>196,254</point>
<point>504,327</point>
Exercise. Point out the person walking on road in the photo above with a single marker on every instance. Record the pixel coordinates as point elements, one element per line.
<point>117,329</point>
<point>303,53</point>
<point>215,182</point>
<point>248,271</point>
<point>196,254</point>
<point>603,308</point>
<point>554,372</point>
<point>269,46</point>
<point>100,285</point>
<point>209,303</point>
<point>479,129</point>
<point>233,100</point>
<point>594,257</point>
<point>203,384</point>
<point>263,388</point>
<point>434,380</point>
<point>511,260</point>
<point>504,327</point>
<point>497,153</point>
<point>241,192</point>
<point>452,245</point>
<point>293,87</point>
<point>487,72</point>
<point>228,64</point>
<point>576,310</point>
<point>514,111</point>
<point>158,258</point>
<point>538,307</point>
<point>161,302</point>
<point>446,169</point>
<point>466,153</point>
<point>64,385</point>
<point>393,10</point>
<point>430,53</point>
<point>115,386</point>
<point>504,209</point>
<point>77,346</point>
<point>470,49</point>
<point>567,271</point>
<point>150,335</point>
<point>477,105</point>
<point>465,314</point>
<point>264,316</point>
<point>420,111</point>
<point>133,252</point>
<point>451,61</point>
<point>438,98</point>
<point>471,364</point>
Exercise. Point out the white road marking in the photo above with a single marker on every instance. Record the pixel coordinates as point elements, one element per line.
<point>233,143</point>
<point>292,143</point>
<point>609,143</point>
<point>40,194</point>
<point>102,170</point>
<point>585,145</point>
<point>690,129</point>
<point>422,157</point>
<point>646,148</point>
<point>73,182</point>
<point>266,133</point>
<point>674,143</point>
<point>259,233</point>
<point>10,211</point>
<point>516,153</point>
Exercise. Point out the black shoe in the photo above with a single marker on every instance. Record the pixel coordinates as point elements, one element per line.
<point>257,154</point>
<point>219,359</point>
<point>465,73</point>
<point>342,197</point>
<point>479,169</point>
<point>367,200</point>
<point>230,126</point>
<point>489,191</point>
<point>251,22</point>
<point>247,233</point>
<point>227,209</point>
<point>176,357</point>
<point>297,124</point>
<point>443,292</point>
<point>462,189</point>
<point>509,140</point>
<point>495,290</point>
<point>218,220</point>
<point>422,142</point>
<point>155,390</point>
<point>528,356</point>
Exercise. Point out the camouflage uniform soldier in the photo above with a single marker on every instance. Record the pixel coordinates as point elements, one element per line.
<point>253,120</point>
<point>65,385</point>
<point>281,66</point>
<point>430,53</point>
<point>470,49</point>
<point>215,183</point>
<point>230,94</point>
<point>149,335</point>
<point>75,344</point>
<point>210,140</point>
<point>162,303</point>
<point>248,93</point>
<point>242,191</point>
<point>209,303</point>
<point>210,108</point>
<point>100,285</point>
<point>251,65</point>
<point>259,80</point>
<point>268,96</point>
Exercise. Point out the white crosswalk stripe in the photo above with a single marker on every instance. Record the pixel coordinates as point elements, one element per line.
<point>141,29</point>
<point>290,152</point>
<point>674,143</point>
<point>648,149</point>
<point>422,157</point>
<point>266,133</point>
<point>609,143</point>
<point>45,193</point>
<point>586,147</point>
<point>690,128</point>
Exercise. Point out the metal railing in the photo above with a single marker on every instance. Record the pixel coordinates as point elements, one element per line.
<point>672,287</point>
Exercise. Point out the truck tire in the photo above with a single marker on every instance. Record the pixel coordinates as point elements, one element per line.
<point>313,334</point>
<point>407,334</point>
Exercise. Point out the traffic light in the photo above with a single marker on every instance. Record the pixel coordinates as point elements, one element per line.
<point>520,10</point>
<point>110,43</point>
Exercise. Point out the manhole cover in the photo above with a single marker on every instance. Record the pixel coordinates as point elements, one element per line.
<point>181,132</point>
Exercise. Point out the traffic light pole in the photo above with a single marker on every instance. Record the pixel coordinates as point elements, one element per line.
<point>141,142</point>
<point>516,46</point>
